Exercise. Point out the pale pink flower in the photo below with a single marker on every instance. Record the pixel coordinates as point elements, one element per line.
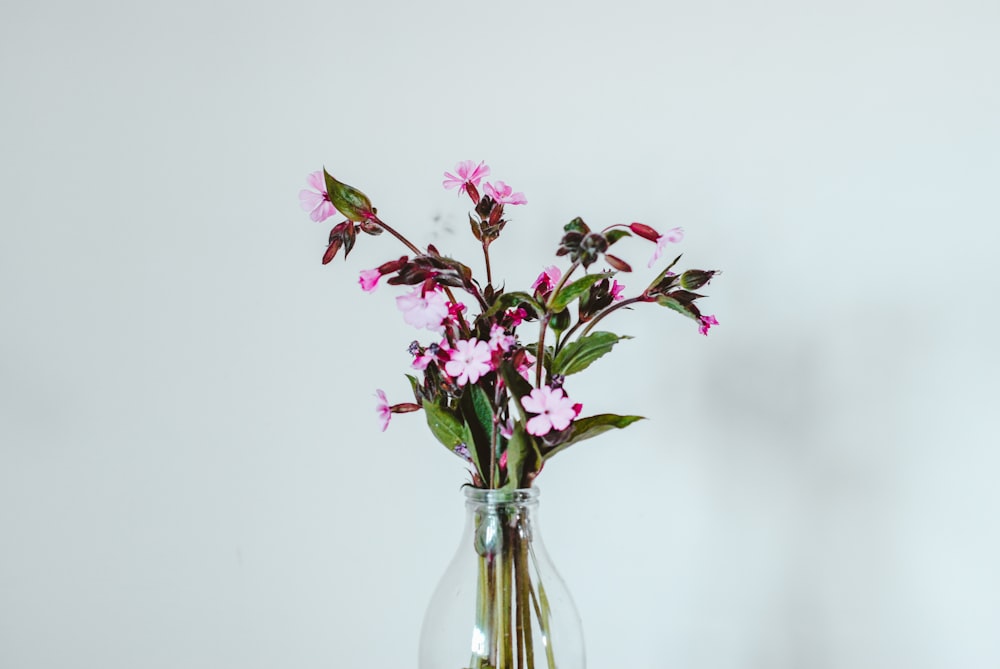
<point>317,201</point>
<point>504,194</point>
<point>369,279</point>
<point>616,290</point>
<point>547,280</point>
<point>524,368</point>
<point>500,340</point>
<point>424,309</point>
<point>382,408</point>
<point>706,323</point>
<point>470,360</point>
<point>671,236</point>
<point>507,429</point>
<point>466,172</point>
<point>555,410</point>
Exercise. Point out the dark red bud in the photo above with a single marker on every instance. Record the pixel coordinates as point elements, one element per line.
<point>332,249</point>
<point>644,231</point>
<point>496,214</point>
<point>473,193</point>
<point>392,266</point>
<point>404,407</point>
<point>617,263</point>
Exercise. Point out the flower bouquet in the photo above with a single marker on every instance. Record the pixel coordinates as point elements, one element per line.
<point>498,400</point>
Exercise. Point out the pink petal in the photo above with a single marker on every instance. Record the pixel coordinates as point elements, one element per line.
<point>317,181</point>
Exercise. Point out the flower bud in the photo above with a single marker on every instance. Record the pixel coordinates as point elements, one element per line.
<point>332,249</point>
<point>617,263</point>
<point>348,200</point>
<point>693,279</point>
<point>644,231</point>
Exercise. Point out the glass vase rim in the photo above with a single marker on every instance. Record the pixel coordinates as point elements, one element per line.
<point>500,496</point>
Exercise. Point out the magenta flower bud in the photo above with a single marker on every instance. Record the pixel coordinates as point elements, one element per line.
<point>348,200</point>
<point>644,231</point>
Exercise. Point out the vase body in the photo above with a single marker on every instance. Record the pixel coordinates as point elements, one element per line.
<point>501,604</point>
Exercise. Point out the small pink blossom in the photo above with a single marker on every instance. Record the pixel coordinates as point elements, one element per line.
<point>424,309</point>
<point>671,236</point>
<point>547,280</point>
<point>516,316</point>
<point>503,461</point>
<point>467,173</point>
<point>499,339</point>
<point>470,360</point>
<point>525,365</point>
<point>507,429</point>
<point>555,410</point>
<point>616,290</point>
<point>504,194</point>
<point>383,410</point>
<point>706,323</point>
<point>369,279</point>
<point>317,201</point>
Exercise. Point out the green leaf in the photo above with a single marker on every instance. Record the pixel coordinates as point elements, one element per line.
<point>478,412</point>
<point>663,275</point>
<point>577,355</point>
<point>564,297</point>
<point>688,309</point>
<point>523,458</point>
<point>577,225</point>
<point>591,426</point>
<point>444,425</point>
<point>614,235</point>
<point>508,300</point>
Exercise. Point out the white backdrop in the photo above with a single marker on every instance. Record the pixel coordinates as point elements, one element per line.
<point>191,473</point>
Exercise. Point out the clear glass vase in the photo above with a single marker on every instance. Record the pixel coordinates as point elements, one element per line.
<point>501,604</point>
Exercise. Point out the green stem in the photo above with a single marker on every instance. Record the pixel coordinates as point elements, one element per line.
<point>544,324</point>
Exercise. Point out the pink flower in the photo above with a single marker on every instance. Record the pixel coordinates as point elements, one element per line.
<point>525,364</point>
<point>547,280</point>
<point>503,194</point>
<point>470,360</point>
<point>382,408</point>
<point>616,290</point>
<point>467,174</point>
<point>706,323</point>
<point>423,309</point>
<point>317,201</point>
<point>503,461</point>
<point>500,340</point>
<point>671,236</point>
<point>555,410</point>
<point>369,279</point>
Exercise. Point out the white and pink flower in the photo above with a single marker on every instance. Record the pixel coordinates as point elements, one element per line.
<point>424,309</point>
<point>382,409</point>
<point>504,194</point>
<point>470,360</point>
<point>555,410</point>
<point>467,173</point>
<point>317,201</point>
<point>671,236</point>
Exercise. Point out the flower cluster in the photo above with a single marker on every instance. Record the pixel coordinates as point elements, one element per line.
<point>492,397</point>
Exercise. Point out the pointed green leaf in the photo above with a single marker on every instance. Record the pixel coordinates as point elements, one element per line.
<point>688,309</point>
<point>614,235</point>
<point>523,458</point>
<point>577,355</point>
<point>444,425</point>
<point>564,297</point>
<point>478,412</point>
<point>591,426</point>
